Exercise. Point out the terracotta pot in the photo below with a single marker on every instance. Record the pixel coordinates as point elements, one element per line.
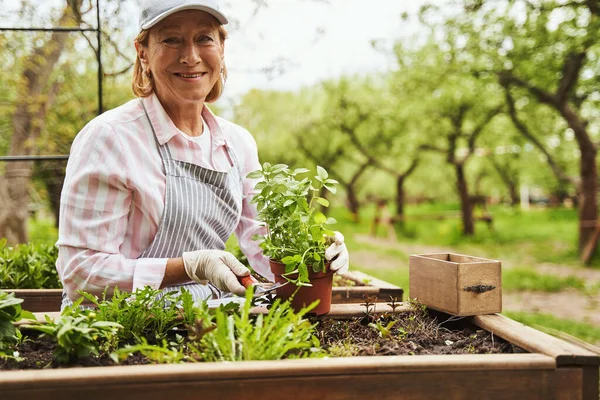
<point>320,289</point>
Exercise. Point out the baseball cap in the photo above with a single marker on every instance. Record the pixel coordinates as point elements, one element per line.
<point>153,11</point>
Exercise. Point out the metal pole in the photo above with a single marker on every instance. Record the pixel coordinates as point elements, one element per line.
<point>57,29</point>
<point>34,158</point>
<point>99,55</point>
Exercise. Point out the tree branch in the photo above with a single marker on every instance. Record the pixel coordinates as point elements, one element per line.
<point>570,76</point>
<point>506,78</point>
<point>561,176</point>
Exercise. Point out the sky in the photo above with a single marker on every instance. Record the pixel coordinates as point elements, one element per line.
<point>318,40</point>
<point>312,40</point>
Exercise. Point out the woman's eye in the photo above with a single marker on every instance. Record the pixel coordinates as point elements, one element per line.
<point>205,39</point>
<point>171,40</point>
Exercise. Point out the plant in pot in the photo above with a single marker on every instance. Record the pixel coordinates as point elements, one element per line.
<point>297,234</point>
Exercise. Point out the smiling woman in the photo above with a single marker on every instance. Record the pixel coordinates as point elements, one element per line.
<point>155,187</point>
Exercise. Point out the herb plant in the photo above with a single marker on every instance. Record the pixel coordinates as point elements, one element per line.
<point>296,231</point>
<point>10,312</point>
<point>78,334</point>
<point>28,266</point>
<point>144,314</point>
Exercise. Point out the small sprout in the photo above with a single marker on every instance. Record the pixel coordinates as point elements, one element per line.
<point>394,303</point>
<point>384,331</point>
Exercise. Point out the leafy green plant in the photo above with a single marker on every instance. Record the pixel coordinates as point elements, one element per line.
<point>145,312</point>
<point>237,336</point>
<point>28,266</point>
<point>10,312</point>
<point>296,231</point>
<point>384,330</point>
<point>78,334</point>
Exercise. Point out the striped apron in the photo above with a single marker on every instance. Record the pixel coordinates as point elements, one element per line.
<point>202,209</point>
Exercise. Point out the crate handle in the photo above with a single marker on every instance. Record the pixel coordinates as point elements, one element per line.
<point>479,288</point>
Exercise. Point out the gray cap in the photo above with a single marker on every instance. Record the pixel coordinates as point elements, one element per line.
<point>153,11</point>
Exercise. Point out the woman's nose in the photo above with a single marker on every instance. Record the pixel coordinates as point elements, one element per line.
<point>190,54</point>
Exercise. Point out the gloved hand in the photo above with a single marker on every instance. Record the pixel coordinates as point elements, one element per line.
<point>338,248</point>
<point>221,268</point>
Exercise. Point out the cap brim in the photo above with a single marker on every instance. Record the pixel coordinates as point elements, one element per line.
<point>219,16</point>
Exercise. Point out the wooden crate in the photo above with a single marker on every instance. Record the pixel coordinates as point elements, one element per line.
<point>456,284</point>
<point>553,370</point>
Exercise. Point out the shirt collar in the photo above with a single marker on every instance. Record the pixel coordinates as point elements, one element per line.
<point>165,129</point>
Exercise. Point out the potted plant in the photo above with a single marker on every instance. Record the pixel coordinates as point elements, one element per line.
<point>296,232</point>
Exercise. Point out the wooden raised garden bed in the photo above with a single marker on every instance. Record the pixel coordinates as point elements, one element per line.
<point>553,369</point>
<point>48,300</point>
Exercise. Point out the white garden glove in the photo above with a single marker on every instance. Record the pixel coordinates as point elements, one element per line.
<point>338,248</point>
<point>219,267</point>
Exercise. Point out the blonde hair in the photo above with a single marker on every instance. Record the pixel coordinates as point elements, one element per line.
<point>143,85</point>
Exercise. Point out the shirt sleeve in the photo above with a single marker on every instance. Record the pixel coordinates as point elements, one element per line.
<point>94,211</point>
<point>249,224</point>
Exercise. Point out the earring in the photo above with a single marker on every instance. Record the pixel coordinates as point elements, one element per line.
<point>148,74</point>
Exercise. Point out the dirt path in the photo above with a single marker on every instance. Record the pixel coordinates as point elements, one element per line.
<point>566,304</point>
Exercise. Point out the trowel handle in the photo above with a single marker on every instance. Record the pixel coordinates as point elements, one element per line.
<point>247,281</point>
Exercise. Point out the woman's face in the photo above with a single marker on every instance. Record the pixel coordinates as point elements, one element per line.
<point>184,56</point>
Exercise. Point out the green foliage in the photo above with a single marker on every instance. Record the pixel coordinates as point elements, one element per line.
<point>144,314</point>
<point>529,279</point>
<point>238,336</point>
<point>28,266</point>
<point>10,312</point>
<point>229,333</point>
<point>553,325</point>
<point>296,231</point>
<point>78,334</point>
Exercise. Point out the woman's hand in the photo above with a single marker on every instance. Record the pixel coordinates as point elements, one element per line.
<point>219,267</point>
<point>338,248</point>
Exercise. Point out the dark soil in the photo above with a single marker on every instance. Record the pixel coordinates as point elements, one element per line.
<point>414,332</point>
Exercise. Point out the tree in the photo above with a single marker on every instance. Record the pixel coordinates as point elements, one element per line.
<point>34,100</point>
<point>549,50</point>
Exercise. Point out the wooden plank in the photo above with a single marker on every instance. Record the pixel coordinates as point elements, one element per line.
<point>527,376</point>
<point>591,383</point>
<point>363,279</point>
<point>38,300</point>
<point>354,294</point>
<point>535,341</point>
<point>489,385</point>
<point>568,384</point>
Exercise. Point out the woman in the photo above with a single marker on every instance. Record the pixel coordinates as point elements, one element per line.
<point>155,187</point>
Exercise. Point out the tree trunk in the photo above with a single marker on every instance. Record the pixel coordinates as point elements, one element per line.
<point>353,203</point>
<point>513,193</point>
<point>588,208</point>
<point>465,204</point>
<point>28,122</point>
<point>400,199</point>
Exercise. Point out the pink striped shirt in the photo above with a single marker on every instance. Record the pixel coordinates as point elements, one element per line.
<point>113,197</point>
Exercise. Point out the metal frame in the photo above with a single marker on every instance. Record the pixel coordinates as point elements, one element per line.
<point>98,31</point>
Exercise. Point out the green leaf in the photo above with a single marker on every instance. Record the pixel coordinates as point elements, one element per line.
<point>320,218</point>
<point>330,221</point>
<point>322,173</point>
<point>255,174</point>
<point>332,189</point>
<point>322,201</point>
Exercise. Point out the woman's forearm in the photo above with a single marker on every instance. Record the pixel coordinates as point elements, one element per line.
<point>174,273</point>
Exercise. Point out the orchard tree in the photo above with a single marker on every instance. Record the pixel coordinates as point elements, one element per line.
<point>546,52</point>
